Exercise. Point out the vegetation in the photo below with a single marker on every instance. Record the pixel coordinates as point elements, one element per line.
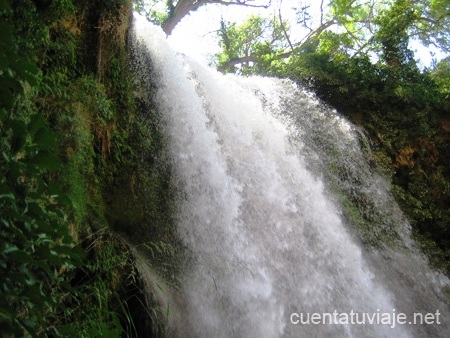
<point>85,178</point>
<point>71,137</point>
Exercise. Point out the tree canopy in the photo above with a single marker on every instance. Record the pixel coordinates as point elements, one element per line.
<point>374,28</point>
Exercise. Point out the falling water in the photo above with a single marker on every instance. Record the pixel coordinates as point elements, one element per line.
<point>265,238</point>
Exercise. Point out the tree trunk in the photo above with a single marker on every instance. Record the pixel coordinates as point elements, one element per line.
<point>181,9</point>
<point>184,7</point>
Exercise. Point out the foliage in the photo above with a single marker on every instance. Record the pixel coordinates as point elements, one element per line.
<point>109,292</point>
<point>257,39</point>
<point>66,117</point>
<point>37,250</point>
<point>153,10</point>
<point>393,33</point>
<point>441,75</point>
<point>431,24</point>
<point>354,28</point>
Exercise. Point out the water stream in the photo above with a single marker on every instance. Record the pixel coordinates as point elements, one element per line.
<point>259,165</point>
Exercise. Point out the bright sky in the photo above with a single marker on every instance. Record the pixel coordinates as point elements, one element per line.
<point>195,35</point>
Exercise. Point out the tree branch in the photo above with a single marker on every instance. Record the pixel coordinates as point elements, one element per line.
<point>251,58</point>
<point>239,3</point>
<point>315,32</point>
<point>184,7</point>
<point>284,28</point>
<point>321,12</point>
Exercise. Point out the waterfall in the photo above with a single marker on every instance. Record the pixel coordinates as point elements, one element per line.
<point>259,165</point>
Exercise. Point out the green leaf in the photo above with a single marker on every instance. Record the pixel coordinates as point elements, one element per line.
<point>45,160</point>
<point>21,257</point>
<point>46,228</point>
<point>37,122</point>
<point>10,249</point>
<point>43,265</point>
<point>9,85</point>
<point>19,130</point>
<point>9,196</point>
<point>6,37</point>
<point>6,313</point>
<point>66,250</point>
<point>27,70</point>
<point>15,170</point>
<point>44,139</point>
<point>29,325</point>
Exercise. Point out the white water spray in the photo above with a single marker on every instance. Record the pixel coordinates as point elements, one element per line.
<point>264,238</point>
